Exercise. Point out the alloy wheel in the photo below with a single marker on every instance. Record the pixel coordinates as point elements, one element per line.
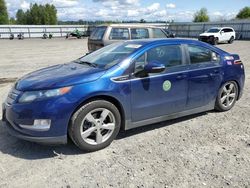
<point>97,126</point>
<point>228,95</point>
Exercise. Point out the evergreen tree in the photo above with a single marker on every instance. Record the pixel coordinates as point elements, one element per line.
<point>21,17</point>
<point>4,18</point>
<point>38,15</point>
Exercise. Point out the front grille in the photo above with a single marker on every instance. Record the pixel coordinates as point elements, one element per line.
<point>12,96</point>
<point>203,38</point>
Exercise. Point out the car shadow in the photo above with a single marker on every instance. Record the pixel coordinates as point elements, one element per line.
<point>32,151</point>
<point>160,125</point>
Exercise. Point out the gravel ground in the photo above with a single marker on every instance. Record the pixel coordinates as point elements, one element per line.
<point>204,150</point>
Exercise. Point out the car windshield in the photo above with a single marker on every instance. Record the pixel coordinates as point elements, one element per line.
<point>109,55</point>
<point>213,30</point>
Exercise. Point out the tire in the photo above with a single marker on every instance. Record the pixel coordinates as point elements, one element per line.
<point>216,41</point>
<point>89,131</point>
<point>227,96</point>
<point>231,40</point>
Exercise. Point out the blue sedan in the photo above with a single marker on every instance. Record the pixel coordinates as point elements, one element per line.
<point>122,86</point>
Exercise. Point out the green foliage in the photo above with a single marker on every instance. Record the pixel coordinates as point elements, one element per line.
<point>201,16</point>
<point>244,13</point>
<point>4,18</point>
<point>38,15</point>
<point>12,21</point>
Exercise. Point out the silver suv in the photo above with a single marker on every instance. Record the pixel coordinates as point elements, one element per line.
<point>105,35</point>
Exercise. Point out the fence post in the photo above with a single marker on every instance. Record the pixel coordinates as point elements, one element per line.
<point>29,32</point>
<point>241,31</point>
<point>61,31</point>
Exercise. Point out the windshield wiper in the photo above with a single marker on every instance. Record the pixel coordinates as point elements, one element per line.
<point>87,63</point>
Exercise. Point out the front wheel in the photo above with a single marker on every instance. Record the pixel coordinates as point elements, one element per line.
<point>231,40</point>
<point>95,125</point>
<point>227,96</point>
<point>216,41</point>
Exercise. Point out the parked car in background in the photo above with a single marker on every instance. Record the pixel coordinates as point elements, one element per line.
<point>169,33</point>
<point>217,35</point>
<point>76,33</point>
<point>122,86</point>
<point>105,35</point>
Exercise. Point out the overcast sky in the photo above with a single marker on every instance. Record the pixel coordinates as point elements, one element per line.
<point>178,10</point>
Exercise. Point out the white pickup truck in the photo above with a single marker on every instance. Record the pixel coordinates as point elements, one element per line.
<point>217,35</point>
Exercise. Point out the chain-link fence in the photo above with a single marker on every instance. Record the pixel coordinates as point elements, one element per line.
<point>193,30</point>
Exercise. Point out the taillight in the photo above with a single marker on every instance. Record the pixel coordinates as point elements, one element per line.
<point>237,62</point>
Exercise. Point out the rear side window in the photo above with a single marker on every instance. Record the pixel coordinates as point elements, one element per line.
<point>119,34</point>
<point>158,33</point>
<point>139,33</point>
<point>98,33</point>
<point>228,30</point>
<point>200,54</point>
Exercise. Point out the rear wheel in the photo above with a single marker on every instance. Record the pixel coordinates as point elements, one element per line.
<point>227,96</point>
<point>231,40</point>
<point>95,125</point>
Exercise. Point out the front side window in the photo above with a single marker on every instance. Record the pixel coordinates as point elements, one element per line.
<point>139,33</point>
<point>158,33</point>
<point>200,54</point>
<point>213,30</point>
<point>119,34</point>
<point>169,55</point>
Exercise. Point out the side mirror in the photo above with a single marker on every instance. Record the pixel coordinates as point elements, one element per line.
<point>222,32</point>
<point>154,67</point>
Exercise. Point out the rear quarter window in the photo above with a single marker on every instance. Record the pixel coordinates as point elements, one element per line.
<point>119,34</point>
<point>158,33</point>
<point>200,54</point>
<point>98,33</point>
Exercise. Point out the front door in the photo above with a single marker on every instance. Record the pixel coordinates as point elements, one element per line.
<point>160,94</point>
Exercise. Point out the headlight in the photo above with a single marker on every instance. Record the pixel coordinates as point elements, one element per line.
<point>30,96</point>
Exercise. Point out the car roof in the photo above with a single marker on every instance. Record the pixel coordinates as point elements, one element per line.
<point>163,40</point>
<point>221,28</point>
<point>154,41</point>
<point>129,26</point>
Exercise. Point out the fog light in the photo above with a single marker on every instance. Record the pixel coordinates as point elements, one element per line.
<point>38,125</point>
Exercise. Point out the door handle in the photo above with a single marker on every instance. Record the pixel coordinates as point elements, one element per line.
<point>181,76</point>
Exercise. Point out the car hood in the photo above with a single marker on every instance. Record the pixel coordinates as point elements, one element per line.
<point>58,76</point>
<point>207,34</point>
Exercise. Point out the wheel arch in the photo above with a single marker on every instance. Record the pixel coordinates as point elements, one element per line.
<point>108,98</point>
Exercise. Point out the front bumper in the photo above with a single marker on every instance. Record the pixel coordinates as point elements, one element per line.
<point>42,140</point>
<point>207,39</point>
<point>57,110</point>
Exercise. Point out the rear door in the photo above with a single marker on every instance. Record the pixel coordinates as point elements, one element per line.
<point>160,94</point>
<point>205,76</point>
<point>224,35</point>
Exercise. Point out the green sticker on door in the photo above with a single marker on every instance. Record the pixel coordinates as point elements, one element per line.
<point>166,85</point>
